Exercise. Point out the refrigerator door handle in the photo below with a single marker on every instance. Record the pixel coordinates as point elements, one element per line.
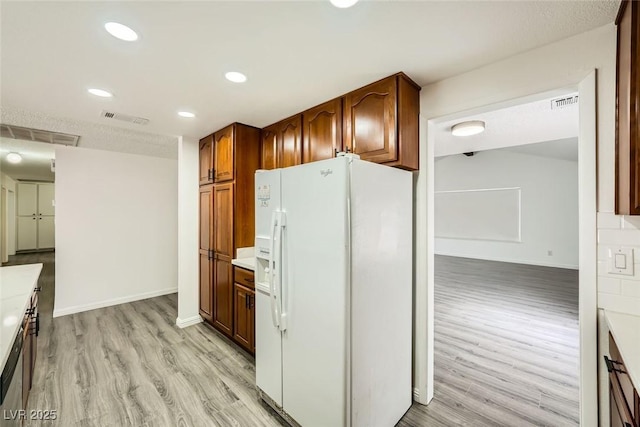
<point>272,275</point>
<point>284,283</point>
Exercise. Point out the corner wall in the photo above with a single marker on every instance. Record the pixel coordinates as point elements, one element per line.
<point>116,228</point>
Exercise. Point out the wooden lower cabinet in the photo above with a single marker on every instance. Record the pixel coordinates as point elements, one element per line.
<point>223,296</point>
<point>623,397</point>
<point>206,283</point>
<point>244,316</point>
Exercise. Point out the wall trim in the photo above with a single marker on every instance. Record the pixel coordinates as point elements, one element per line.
<point>511,261</point>
<point>110,302</point>
<point>189,321</point>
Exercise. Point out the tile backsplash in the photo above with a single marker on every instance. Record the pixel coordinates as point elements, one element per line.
<point>618,292</point>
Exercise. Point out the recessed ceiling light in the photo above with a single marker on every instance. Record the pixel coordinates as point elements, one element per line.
<point>186,114</point>
<point>343,4</point>
<point>121,32</point>
<point>236,77</point>
<point>100,92</point>
<point>472,127</point>
<point>14,158</point>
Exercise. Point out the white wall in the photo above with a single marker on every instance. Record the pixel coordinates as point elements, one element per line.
<point>9,216</point>
<point>188,212</point>
<point>558,65</point>
<point>116,228</point>
<point>548,206</point>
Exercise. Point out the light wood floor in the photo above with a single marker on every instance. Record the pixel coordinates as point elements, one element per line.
<point>502,358</point>
<point>506,346</point>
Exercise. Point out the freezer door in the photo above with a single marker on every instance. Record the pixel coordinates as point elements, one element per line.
<point>267,200</point>
<point>315,292</point>
<point>268,348</point>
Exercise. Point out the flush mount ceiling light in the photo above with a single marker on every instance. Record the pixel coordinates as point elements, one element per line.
<point>236,77</point>
<point>14,158</point>
<point>99,92</point>
<point>121,32</point>
<point>186,114</point>
<point>472,127</point>
<point>343,4</point>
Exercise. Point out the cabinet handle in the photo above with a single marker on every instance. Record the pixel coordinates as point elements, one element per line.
<point>210,174</point>
<point>247,301</point>
<point>38,289</point>
<point>335,152</point>
<point>610,366</point>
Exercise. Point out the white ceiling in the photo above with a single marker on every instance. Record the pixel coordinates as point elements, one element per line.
<point>36,160</point>
<point>295,54</point>
<point>527,123</point>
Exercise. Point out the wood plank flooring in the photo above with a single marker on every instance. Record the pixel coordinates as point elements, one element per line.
<point>502,358</point>
<point>506,346</point>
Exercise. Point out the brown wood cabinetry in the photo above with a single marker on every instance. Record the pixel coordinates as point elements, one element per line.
<point>206,251</point>
<point>244,315</point>
<point>206,160</point>
<point>381,122</point>
<point>627,110</point>
<point>623,397</point>
<point>223,152</point>
<point>281,143</point>
<point>322,131</point>
<point>227,210</point>
<point>31,327</point>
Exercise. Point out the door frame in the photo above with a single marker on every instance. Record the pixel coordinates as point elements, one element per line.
<point>425,250</point>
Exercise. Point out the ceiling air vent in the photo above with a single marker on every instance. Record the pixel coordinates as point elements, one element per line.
<point>124,117</point>
<point>566,101</point>
<point>17,132</point>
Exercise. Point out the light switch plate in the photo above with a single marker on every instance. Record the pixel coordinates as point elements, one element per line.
<point>621,260</point>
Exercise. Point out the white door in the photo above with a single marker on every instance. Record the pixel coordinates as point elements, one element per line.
<point>46,196</point>
<point>27,199</point>
<point>314,292</point>
<point>46,232</point>
<point>27,233</point>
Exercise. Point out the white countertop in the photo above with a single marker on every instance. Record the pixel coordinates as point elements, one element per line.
<point>248,263</point>
<point>625,329</point>
<point>16,286</point>
<point>246,259</point>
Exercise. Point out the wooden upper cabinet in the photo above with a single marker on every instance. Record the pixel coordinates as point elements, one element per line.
<point>269,148</point>
<point>290,141</point>
<point>370,121</point>
<point>322,131</point>
<point>206,160</point>
<point>381,122</point>
<point>627,114</point>
<point>223,154</point>
<point>223,220</point>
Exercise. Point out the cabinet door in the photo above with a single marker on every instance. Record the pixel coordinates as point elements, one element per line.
<point>290,142</point>
<point>206,217</point>
<point>269,148</point>
<point>223,155</point>
<point>46,232</point>
<point>206,284</point>
<point>322,131</point>
<point>223,296</point>
<point>27,199</point>
<point>27,233</point>
<point>370,121</point>
<point>243,320</point>
<point>206,160</point>
<point>46,197</point>
<point>223,219</point>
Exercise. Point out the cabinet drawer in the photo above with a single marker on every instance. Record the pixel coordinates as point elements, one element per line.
<point>243,277</point>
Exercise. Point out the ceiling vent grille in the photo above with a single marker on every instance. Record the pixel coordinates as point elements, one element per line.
<point>564,102</point>
<point>17,132</point>
<point>124,117</point>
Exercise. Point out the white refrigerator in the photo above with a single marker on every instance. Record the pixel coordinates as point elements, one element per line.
<point>334,292</point>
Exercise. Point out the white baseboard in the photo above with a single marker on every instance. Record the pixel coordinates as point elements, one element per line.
<point>189,321</point>
<point>115,301</point>
<point>513,261</point>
